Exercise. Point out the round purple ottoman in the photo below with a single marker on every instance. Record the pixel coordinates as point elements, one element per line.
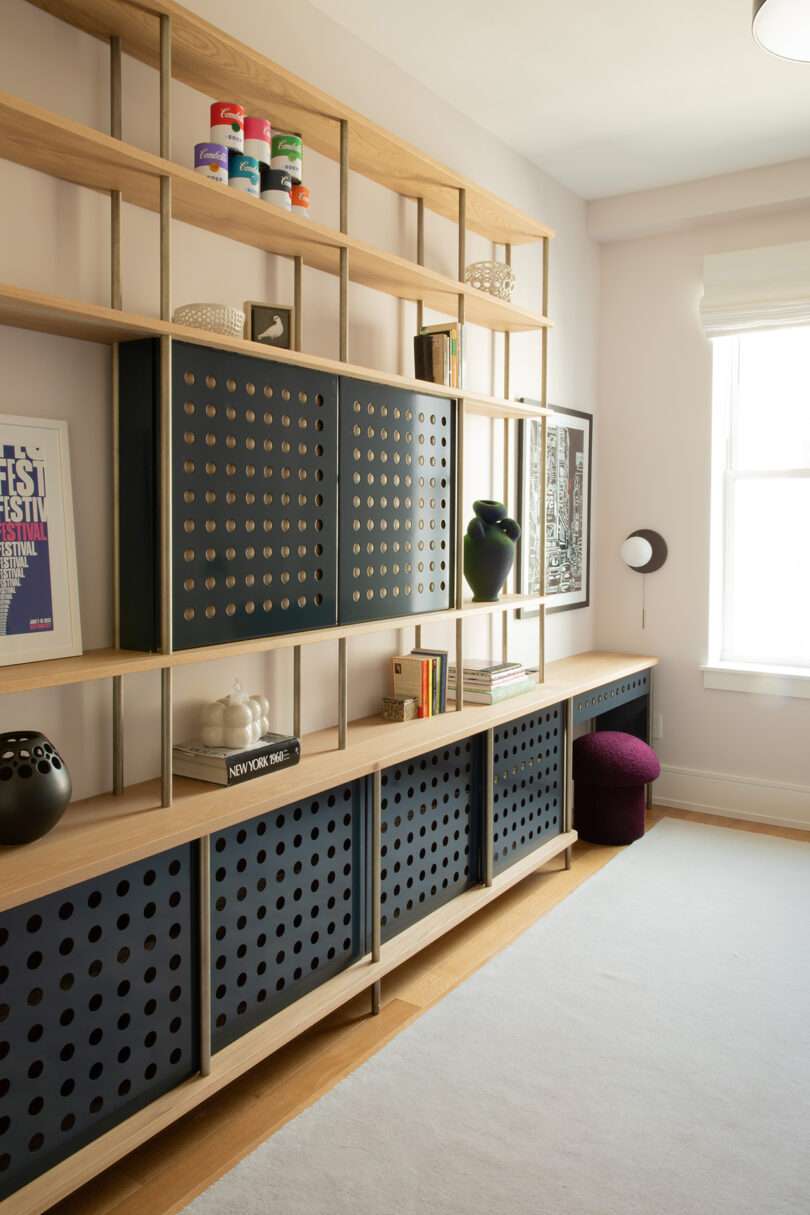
<point>610,772</point>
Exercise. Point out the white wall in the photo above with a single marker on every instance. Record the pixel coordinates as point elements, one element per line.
<point>729,751</point>
<point>57,240</point>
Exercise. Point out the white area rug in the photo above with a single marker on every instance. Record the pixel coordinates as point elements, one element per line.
<point>644,1049</point>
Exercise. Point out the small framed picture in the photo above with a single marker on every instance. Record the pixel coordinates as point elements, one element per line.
<point>39,590</point>
<point>269,324</point>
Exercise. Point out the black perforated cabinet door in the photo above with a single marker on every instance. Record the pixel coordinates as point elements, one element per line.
<point>528,784</point>
<point>396,502</point>
<point>99,989</point>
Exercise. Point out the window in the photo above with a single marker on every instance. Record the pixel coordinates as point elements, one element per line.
<point>760,554</point>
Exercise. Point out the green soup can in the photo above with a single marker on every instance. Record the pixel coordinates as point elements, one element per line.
<point>287,155</point>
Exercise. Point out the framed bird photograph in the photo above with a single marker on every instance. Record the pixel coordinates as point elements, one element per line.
<point>269,324</point>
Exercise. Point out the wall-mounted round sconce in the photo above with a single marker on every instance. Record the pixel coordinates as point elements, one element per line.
<point>644,551</point>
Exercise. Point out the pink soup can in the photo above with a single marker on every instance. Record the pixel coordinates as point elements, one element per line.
<point>258,134</point>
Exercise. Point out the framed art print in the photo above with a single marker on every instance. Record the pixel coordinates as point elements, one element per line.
<point>567,508</point>
<point>39,593</point>
<point>269,324</point>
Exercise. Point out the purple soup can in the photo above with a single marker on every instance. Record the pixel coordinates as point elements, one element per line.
<point>211,159</point>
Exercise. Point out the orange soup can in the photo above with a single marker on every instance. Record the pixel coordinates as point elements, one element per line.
<point>300,200</point>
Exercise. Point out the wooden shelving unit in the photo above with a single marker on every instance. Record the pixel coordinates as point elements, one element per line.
<point>124,827</point>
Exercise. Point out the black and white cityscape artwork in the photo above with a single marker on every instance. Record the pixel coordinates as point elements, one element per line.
<point>567,508</point>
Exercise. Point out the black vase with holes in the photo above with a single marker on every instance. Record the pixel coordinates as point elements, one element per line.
<point>35,786</point>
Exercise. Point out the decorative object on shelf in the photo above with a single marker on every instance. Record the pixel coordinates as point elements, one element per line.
<point>569,446</point>
<point>39,591</point>
<point>35,786</point>
<point>276,187</point>
<point>287,154</point>
<point>270,324</point>
<point>489,549</point>
<point>496,278</point>
<point>228,125</point>
<point>211,161</point>
<point>234,765</point>
<point>437,354</point>
<point>258,134</point>
<point>237,720</point>
<point>400,708</point>
<point>299,200</point>
<point>644,551</point>
<point>214,318</point>
<point>243,173</point>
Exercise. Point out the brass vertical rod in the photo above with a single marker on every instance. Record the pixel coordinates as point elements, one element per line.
<point>116,301</point>
<point>343,693</point>
<point>376,882</point>
<point>417,636</point>
<point>297,691</point>
<point>462,233</point>
<point>166,736</point>
<point>344,252</point>
<point>165,152</point>
<point>541,614</point>
<point>420,257</point>
<point>568,793</point>
<point>204,927</point>
<point>459,533</point>
<point>507,338</point>
<point>165,85</point>
<point>118,734</point>
<point>489,808</point>
<point>544,332</point>
<point>298,315</point>
<point>507,470</point>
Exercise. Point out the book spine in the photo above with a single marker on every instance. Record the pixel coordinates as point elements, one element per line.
<point>270,759</point>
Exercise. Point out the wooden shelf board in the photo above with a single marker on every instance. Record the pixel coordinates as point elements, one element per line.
<point>269,1037</point>
<point>32,136</point>
<point>104,664</point>
<point>212,62</point>
<point>26,309</point>
<point>105,832</point>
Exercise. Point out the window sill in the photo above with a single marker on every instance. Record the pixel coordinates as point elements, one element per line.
<point>761,680</point>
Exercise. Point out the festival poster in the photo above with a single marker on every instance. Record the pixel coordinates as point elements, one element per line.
<point>38,594</point>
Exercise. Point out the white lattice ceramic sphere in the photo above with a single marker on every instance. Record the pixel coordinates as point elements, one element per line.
<point>496,278</point>
<point>215,318</point>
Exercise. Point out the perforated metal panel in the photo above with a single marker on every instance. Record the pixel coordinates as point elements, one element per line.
<point>610,696</point>
<point>98,1008</point>
<point>528,784</point>
<point>255,471</point>
<point>396,496</point>
<point>431,816</point>
<point>288,906</point>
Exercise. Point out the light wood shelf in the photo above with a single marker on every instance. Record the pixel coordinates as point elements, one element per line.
<point>35,310</point>
<point>49,143</point>
<point>212,62</point>
<point>105,832</point>
<point>104,664</point>
<point>271,1036</point>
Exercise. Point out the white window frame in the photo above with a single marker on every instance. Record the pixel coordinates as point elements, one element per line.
<point>725,670</point>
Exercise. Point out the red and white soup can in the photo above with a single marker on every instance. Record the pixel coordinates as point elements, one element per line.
<point>228,125</point>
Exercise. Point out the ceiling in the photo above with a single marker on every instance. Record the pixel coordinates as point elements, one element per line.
<point>607,96</point>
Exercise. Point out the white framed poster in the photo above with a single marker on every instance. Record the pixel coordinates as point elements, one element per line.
<point>39,590</point>
<point>567,508</point>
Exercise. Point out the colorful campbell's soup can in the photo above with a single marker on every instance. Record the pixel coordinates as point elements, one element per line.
<point>299,198</point>
<point>276,187</point>
<point>288,154</point>
<point>258,134</point>
<point>211,159</point>
<point>243,173</point>
<point>228,125</point>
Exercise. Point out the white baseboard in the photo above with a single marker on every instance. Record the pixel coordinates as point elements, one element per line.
<point>744,797</point>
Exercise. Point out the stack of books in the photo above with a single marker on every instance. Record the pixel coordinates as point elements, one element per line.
<point>437,354</point>
<point>488,683</point>
<point>223,766</point>
<point>422,675</point>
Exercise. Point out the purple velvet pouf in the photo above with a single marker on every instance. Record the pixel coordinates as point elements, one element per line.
<point>610,773</point>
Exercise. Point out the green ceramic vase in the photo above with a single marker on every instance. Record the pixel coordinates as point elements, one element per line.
<point>489,549</point>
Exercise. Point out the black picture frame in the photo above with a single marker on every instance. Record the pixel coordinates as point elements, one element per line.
<point>526,576</point>
<point>261,318</point>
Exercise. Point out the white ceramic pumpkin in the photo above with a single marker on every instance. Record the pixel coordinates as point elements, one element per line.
<point>237,721</point>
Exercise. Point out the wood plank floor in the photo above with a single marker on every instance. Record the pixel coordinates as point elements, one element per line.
<point>163,1176</point>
